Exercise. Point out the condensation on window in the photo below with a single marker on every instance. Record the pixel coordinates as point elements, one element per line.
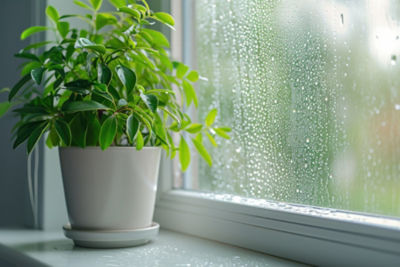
<point>311,90</point>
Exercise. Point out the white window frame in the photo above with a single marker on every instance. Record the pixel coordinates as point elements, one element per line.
<point>312,235</point>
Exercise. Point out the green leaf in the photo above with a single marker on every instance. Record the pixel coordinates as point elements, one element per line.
<point>184,154</point>
<point>27,56</point>
<point>165,18</point>
<point>78,106</point>
<point>63,131</point>
<point>151,101</point>
<point>193,76</point>
<point>139,141</point>
<point>35,136</point>
<point>37,75</point>
<point>37,45</point>
<point>32,30</point>
<point>222,133</point>
<point>225,129</point>
<point>211,117</point>
<point>190,93</point>
<point>52,139</point>
<point>130,11</point>
<point>93,132</point>
<point>86,43</point>
<point>104,74</point>
<point>118,3</point>
<point>52,13</point>
<point>132,127</point>
<point>181,70</point>
<point>107,132</point>
<point>78,127</point>
<point>63,28</point>
<point>212,140</point>
<point>127,77</point>
<point>81,4</point>
<point>18,86</point>
<point>96,4</point>
<point>4,106</point>
<point>24,131</point>
<point>29,67</point>
<point>157,38</point>
<point>202,151</point>
<point>194,128</point>
<point>103,19</point>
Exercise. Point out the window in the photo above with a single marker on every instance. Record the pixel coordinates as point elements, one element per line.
<point>311,90</point>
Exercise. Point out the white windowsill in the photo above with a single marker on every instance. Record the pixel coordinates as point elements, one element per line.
<point>170,249</point>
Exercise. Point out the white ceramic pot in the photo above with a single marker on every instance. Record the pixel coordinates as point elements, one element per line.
<point>110,190</point>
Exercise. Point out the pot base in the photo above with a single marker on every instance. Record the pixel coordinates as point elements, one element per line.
<point>111,238</point>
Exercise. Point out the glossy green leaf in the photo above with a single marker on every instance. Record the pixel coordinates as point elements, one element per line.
<point>181,70</point>
<point>151,101</point>
<point>32,30</point>
<point>139,141</point>
<point>130,11</point>
<point>27,56</point>
<point>165,18</point>
<point>63,28</point>
<point>107,132</point>
<point>93,132</point>
<point>132,127</point>
<point>4,106</point>
<point>35,136</point>
<point>96,4</point>
<point>190,93</point>
<point>37,45</point>
<point>157,38</point>
<point>78,106</point>
<point>212,140</point>
<point>104,74</point>
<point>127,77</point>
<point>82,4</point>
<point>52,139</point>
<point>194,128</point>
<point>86,43</point>
<point>202,151</point>
<point>78,127</point>
<point>23,132</point>
<point>63,131</point>
<point>118,3</point>
<point>225,129</point>
<point>18,86</point>
<point>37,75</point>
<point>184,154</point>
<point>222,133</point>
<point>52,13</point>
<point>26,70</point>
<point>103,19</point>
<point>211,117</point>
<point>193,76</point>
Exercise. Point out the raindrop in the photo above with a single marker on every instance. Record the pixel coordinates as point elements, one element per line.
<point>393,60</point>
<point>342,18</point>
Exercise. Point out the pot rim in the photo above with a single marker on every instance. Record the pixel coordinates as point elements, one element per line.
<point>110,148</point>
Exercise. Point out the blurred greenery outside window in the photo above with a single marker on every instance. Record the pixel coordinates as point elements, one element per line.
<point>312,92</point>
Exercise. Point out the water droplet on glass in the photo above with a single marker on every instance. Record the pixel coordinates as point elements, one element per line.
<point>393,60</point>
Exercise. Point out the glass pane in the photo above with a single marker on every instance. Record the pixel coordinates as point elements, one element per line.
<point>311,90</point>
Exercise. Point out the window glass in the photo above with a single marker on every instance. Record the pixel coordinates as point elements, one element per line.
<point>311,90</point>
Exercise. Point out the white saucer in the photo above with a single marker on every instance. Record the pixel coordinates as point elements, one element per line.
<point>111,238</point>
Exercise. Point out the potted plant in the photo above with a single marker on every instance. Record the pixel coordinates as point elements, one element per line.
<point>110,98</point>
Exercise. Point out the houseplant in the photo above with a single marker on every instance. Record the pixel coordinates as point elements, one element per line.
<point>110,97</point>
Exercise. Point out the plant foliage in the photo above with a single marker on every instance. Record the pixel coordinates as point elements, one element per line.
<point>110,84</point>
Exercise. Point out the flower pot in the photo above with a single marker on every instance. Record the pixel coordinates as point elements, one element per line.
<point>113,189</point>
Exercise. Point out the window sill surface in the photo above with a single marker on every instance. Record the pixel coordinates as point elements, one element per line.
<point>169,249</point>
